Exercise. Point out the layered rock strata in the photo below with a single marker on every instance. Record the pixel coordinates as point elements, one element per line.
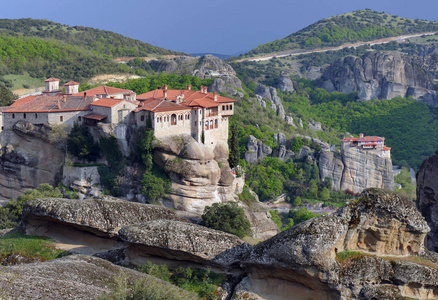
<point>356,169</point>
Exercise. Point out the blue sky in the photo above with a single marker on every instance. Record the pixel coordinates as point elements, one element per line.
<point>222,26</point>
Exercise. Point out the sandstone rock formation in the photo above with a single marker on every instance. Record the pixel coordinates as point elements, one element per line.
<point>71,277</point>
<point>382,75</point>
<point>200,175</point>
<point>356,170</point>
<point>27,159</point>
<point>427,197</point>
<point>304,260</point>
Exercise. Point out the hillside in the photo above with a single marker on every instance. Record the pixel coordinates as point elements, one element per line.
<point>37,49</point>
<point>360,25</point>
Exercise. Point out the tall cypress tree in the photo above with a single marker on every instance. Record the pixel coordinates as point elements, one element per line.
<point>233,143</point>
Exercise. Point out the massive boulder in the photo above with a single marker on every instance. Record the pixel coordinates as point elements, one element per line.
<point>427,197</point>
<point>182,241</point>
<point>307,260</point>
<point>356,169</point>
<point>382,75</point>
<point>71,277</point>
<point>28,159</point>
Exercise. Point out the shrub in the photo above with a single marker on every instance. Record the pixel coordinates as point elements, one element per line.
<point>81,144</point>
<point>226,217</point>
<point>155,184</point>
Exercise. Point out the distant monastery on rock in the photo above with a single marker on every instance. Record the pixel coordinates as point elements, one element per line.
<point>172,112</point>
<point>374,144</point>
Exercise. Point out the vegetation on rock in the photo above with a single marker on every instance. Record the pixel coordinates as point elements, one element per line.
<point>226,217</point>
<point>81,144</point>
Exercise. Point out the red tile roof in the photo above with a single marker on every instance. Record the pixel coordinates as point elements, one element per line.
<point>51,79</point>
<point>107,102</point>
<point>191,98</point>
<point>386,148</point>
<point>102,90</point>
<point>371,139</point>
<point>369,144</point>
<point>160,105</point>
<point>50,103</point>
<point>71,83</point>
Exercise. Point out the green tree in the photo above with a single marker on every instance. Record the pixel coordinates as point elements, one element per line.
<point>297,201</point>
<point>302,214</point>
<point>324,194</point>
<point>6,96</point>
<point>81,144</point>
<point>226,217</point>
<point>234,156</point>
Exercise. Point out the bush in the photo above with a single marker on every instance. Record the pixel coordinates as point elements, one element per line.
<point>155,184</point>
<point>81,144</point>
<point>10,214</point>
<point>302,214</point>
<point>226,217</point>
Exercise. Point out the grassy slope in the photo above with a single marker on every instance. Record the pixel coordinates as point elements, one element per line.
<point>361,25</point>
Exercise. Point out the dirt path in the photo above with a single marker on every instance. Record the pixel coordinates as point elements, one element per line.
<point>371,43</point>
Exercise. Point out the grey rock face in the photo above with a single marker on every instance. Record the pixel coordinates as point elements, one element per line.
<point>284,83</point>
<point>256,150</point>
<point>280,138</point>
<point>383,75</point>
<point>185,241</point>
<point>304,152</point>
<point>263,91</point>
<point>285,154</point>
<point>102,217</point>
<point>270,93</point>
<point>356,169</point>
<point>427,197</point>
<point>289,120</point>
<point>303,258</point>
<point>313,125</point>
<point>331,165</point>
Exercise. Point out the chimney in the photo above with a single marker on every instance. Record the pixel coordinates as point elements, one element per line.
<point>165,87</point>
<point>182,94</point>
<point>165,93</point>
<point>85,95</point>
<point>215,96</point>
<point>64,98</point>
<point>189,87</point>
<point>360,135</point>
<point>159,87</point>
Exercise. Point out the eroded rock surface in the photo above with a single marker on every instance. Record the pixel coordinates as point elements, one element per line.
<point>304,258</point>
<point>355,169</point>
<point>383,75</point>
<point>183,241</point>
<point>72,277</point>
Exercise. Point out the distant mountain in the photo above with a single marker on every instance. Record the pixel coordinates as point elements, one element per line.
<point>41,49</point>
<point>360,25</point>
<point>221,56</point>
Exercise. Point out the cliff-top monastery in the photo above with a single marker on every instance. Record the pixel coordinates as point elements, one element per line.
<point>172,112</point>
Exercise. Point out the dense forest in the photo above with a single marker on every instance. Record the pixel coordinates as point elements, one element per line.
<point>361,25</point>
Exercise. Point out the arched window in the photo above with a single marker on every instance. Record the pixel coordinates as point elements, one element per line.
<point>211,124</point>
<point>223,107</point>
<point>231,106</point>
<point>173,119</point>
<point>216,123</point>
<point>142,118</point>
<point>206,125</point>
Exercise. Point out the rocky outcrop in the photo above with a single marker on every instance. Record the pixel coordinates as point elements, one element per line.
<point>102,217</point>
<point>307,260</point>
<point>205,67</point>
<point>183,241</point>
<point>28,159</point>
<point>200,175</point>
<point>256,150</point>
<point>284,83</point>
<point>71,277</point>
<point>382,75</point>
<point>356,169</point>
<point>427,197</point>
